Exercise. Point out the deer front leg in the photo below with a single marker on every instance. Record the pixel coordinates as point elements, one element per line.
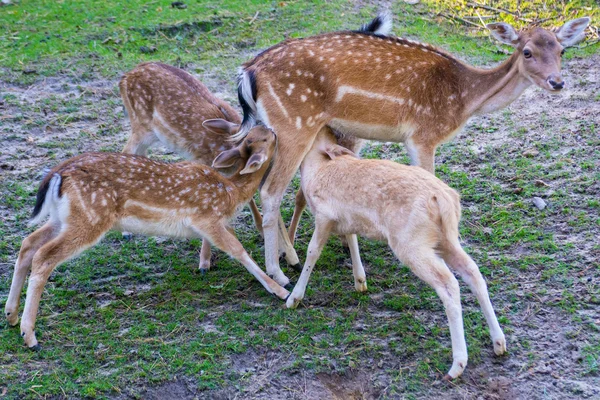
<point>225,240</point>
<point>358,271</point>
<point>317,242</point>
<point>205,254</point>
<point>298,209</point>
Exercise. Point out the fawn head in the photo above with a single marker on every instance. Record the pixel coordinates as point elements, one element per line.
<point>540,50</point>
<point>256,149</point>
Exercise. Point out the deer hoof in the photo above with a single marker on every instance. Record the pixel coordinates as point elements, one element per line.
<point>36,348</point>
<point>297,267</point>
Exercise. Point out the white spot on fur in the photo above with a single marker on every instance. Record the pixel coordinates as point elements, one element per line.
<point>343,90</point>
<point>290,89</point>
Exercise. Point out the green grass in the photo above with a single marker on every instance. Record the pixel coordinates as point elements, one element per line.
<point>79,40</point>
<point>133,314</point>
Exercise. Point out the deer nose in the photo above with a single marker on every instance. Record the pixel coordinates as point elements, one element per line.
<point>556,82</point>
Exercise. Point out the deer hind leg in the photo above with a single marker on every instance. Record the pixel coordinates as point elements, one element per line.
<point>223,238</point>
<point>31,244</point>
<point>358,271</point>
<point>421,155</point>
<point>298,209</point>
<point>315,247</point>
<point>459,260</point>
<point>66,245</point>
<point>142,137</point>
<point>290,154</point>
<point>430,268</point>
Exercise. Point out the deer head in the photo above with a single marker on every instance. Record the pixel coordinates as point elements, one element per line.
<point>256,149</point>
<point>539,51</point>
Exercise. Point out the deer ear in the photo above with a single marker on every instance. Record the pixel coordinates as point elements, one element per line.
<point>254,163</point>
<point>571,33</point>
<point>504,32</point>
<point>334,151</point>
<point>227,158</point>
<point>219,125</point>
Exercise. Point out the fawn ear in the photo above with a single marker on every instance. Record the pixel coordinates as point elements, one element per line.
<point>335,150</point>
<point>227,158</point>
<point>571,32</point>
<point>504,32</point>
<point>254,163</point>
<point>219,125</point>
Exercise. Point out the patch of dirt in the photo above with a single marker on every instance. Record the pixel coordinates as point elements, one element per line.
<point>270,375</point>
<point>174,390</point>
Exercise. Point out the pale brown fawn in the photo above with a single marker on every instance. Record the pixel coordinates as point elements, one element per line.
<point>168,105</point>
<point>88,195</point>
<point>406,206</point>
<point>351,143</point>
<point>385,88</point>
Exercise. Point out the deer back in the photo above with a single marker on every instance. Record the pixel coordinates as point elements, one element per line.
<point>172,104</point>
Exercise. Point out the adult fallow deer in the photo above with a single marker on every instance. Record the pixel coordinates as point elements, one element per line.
<point>385,88</point>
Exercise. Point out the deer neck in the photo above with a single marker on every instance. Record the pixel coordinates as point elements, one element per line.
<point>493,89</point>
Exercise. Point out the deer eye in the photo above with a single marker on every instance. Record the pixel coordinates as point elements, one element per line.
<point>527,53</point>
<point>562,52</point>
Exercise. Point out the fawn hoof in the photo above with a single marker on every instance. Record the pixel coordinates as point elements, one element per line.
<point>360,286</point>
<point>297,267</point>
<point>289,286</point>
<point>127,236</point>
<point>500,346</point>
<point>202,271</point>
<point>280,278</point>
<point>36,348</point>
<point>458,366</point>
<point>292,302</point>
<point>12,318</point>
